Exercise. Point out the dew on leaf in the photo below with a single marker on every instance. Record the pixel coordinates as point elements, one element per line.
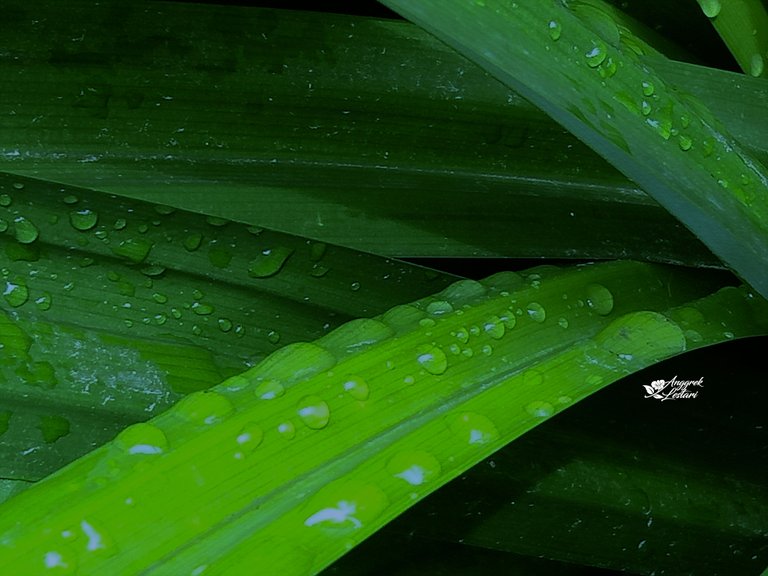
<point>473,428</point>
<point>205,407</point>
<point>540,409</point>
<point>536,312</point>
<point>357,388</point>
<point>83,220</point>
<point>599,299</point>
<point>142,438</point>
<point>313,411</point>
<point>415,467</point>
<point>269,262</point>
<point>432,358</point>
<point>25,231</point>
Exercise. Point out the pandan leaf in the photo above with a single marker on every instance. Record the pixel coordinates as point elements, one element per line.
<point>359,425</point>
<point>113,309</point>
<point>596,85</point>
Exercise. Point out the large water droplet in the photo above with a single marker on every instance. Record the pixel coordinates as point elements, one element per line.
<point>439,307</point>
<point>357,388</point>
<point>540,409</point>
<point>269,262</point>
<point>711,8</point>
<point>494,327</point>
<point>16,292</point>
<point>202,309</point>
<point>287,430</point>
<point>536,312</point>
<point>416,467</point>
<point>192,242</point>
<point>595,56</point>
<point>83,219</point>
<point>61,561</point>
<point>343,507</point>
<point>134,249</point>
<point>204,407</point>
<point>250,437</point>
<point>648,88</point>
<point>432,358</point>
<point>270,389</point>
<point>756,65</point>
<point>314,412</point>
<point>5,200</point>
<point>142,438</point>
<point>473,428</point>
<point>25,231</point>
<point>599,299</point>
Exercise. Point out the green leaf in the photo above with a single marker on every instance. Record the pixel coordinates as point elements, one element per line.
<point>359,425</point>
<point>113,309</point>
<point>423,126</point>
<point>597,86</point>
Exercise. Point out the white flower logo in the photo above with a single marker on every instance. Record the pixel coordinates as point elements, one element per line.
<point>654,389</point>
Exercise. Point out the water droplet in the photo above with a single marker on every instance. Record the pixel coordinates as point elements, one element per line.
<point>711,8</point>
<point>164,210</point>
<point>536,312</point>
<point>61,561</point>
<point>595,56</point>
<point>648,88</point>
<point>599,299</point>
<point>159,298</point>
<point>433,359</point>
<point>728,335</point>
<point>462,335</point>
<point>270,389</point>
<point>473,428</point>
<point>250,437</point>
<point>269,262</point>
<point>631,335</point>
<point>192,242</point>
<point>439,307</point>
<point>645,108</point>
<point>53,426</point>
<point>416,467</point>
<point>18,185</point>
<point>134,249</point>
<point>314,412</point>
<point>318,271</point>
<point>540,409</point>
<point>562,322</point>
<point>357,388</point>
<point>202,309</point>
<point>5,200</point>
<point>216,221</point>
<point>487,349</point>
<point>454,349</point>
<point>355,286</point>
<point>120,224</point>
<point>555,29</point>
<point>3,225</point>
<point>317,251</point>
<point>204,407</point>
<point>494,327</point>
<point>345,506</point>
<point>287,430</point>
<point>756,65</point>
<point>684,142</point>
<point>25,231</point>
<point>83,219</point>
<point>273,337</point>
<point>225,324</point>
<point>16,292</point>
<point>142,438</point>
<point>43,302</point>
